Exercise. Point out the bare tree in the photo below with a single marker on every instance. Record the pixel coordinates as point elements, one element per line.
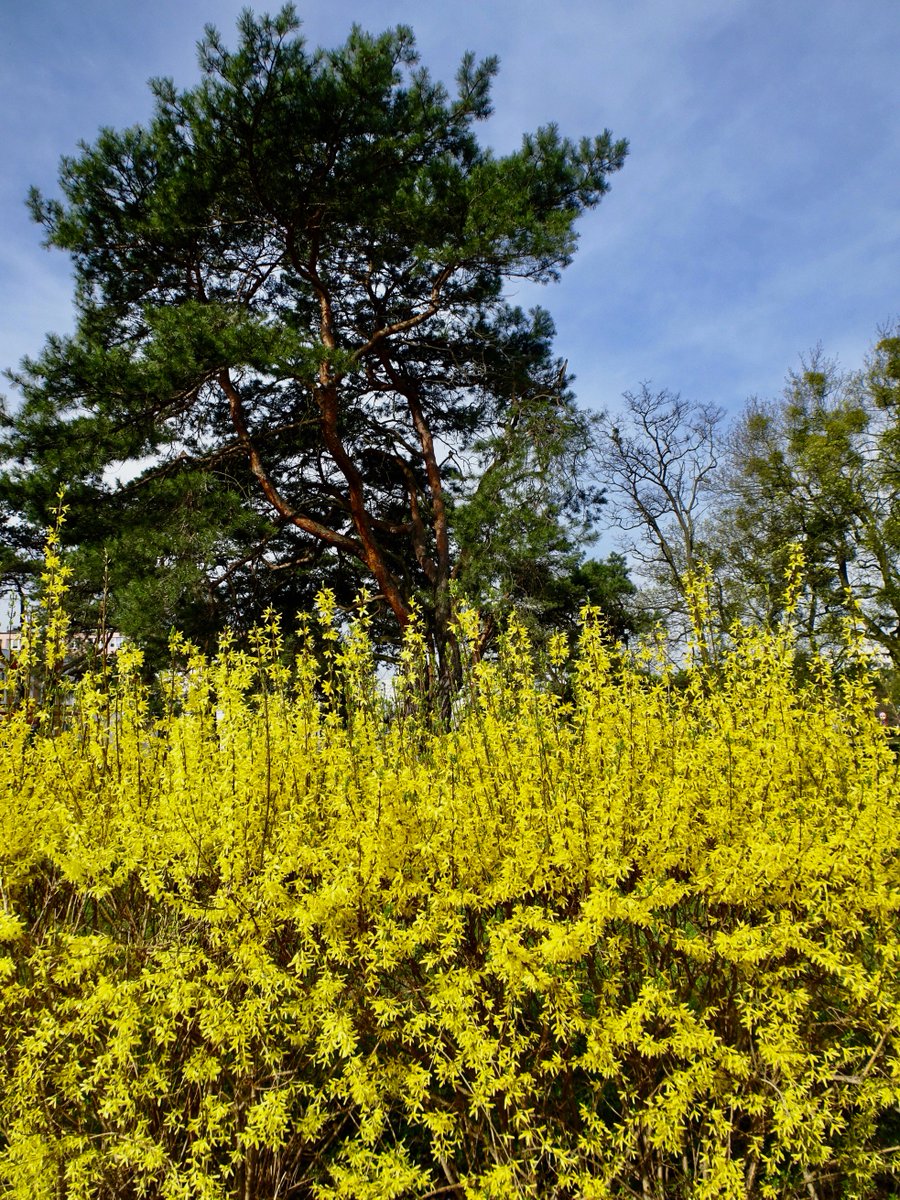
<point>659,459</point>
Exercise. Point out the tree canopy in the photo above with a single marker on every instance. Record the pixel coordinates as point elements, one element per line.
<point>294,362</point>
<point>813,470</point>
<point>818,468</point>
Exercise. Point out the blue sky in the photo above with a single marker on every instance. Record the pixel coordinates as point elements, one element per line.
<point>757,215</point>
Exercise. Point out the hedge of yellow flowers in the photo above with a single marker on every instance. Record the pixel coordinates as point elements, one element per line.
<point>269,930</point>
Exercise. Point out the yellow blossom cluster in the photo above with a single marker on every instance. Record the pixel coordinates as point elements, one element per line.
<point>268,929</point>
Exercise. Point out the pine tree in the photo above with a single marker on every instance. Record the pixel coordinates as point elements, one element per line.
<point>292,330</point>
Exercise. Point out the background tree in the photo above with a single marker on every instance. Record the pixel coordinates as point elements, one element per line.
<point>819,467</point>
<point>291,324</point>
<point>660,457</point>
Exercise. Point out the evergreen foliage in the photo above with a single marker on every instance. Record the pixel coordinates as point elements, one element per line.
<point>292,342</point>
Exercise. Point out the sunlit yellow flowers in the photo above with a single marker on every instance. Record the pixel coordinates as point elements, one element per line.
<point>270,931</point>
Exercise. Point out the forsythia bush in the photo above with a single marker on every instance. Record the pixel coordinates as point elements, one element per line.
<point>276,935</point>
